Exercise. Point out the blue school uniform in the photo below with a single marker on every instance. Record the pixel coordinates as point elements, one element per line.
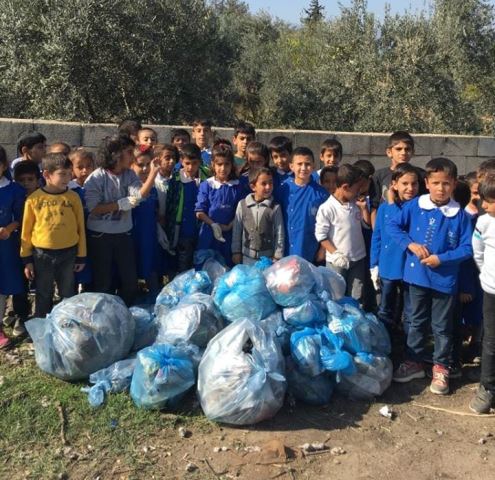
<point>12,197</point>
<point>219,201</point>
<point>445,231</point>
<point>279,177</point>
<point>144,225</point>
<point>206,156</point>
<point>300,205</point>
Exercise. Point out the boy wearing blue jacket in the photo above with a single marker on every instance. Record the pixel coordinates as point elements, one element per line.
<point>435,233</point>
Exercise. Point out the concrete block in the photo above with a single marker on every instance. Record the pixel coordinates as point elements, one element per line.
<point>93,134</point>
<point>355,144</point>
<point>450,146</point>
<point>223,132</point>
<point>472,163</point>
<point>11,151</point>
<point>12,129</point>
<point>68,132</point>
<point>379,144</point>
<point>420,160</point>
<point>265,136</point>
<point>162,132</point>
<point>486,147</point>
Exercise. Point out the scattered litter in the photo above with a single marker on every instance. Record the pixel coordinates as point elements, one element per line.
<point>336,451</point>
<point>221,449</point>
<point>251,449</point>
<point>12,358</point>
<point>45,402</point>
<point>439,433</point>
<point>386,412</point>
<point>191,467</point>
<point>183,433</point>
<point>482,441</point>
<point>313,447</point>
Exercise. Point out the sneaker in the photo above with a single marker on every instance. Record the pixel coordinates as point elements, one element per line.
<point>440,382</point>
<point>408,371</point>
<point>19,329</point>
<point>482,401</point>
<point>4,340</point>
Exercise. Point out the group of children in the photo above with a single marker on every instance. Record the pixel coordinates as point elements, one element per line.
<point>143,209</point>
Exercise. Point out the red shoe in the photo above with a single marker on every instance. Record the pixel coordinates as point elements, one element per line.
<point>440,382</point>
<point>4,340</point>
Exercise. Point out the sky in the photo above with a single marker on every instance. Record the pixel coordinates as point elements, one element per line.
<point>290,10</point>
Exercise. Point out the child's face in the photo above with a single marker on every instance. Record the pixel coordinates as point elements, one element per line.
<point>407,186</point>
<point>222,168</point>
<point>59,179</point>
<point>401,152</point>
<point>179,141</point>
<point>352,192</point>
<point>302,166</point>
<point>441,187</point>
<point>329,158</point>
<point>141,166</point>
<point>329,182</point>
<point>241,141</point>
<point>281,160</point>
<point>489,206</point>
<point>167,163</point>
<point>81,169</point>
<point>256,161</point>
<point>475,195</point>
<point>263,187</point>
<point>190,166</point>
<point>58,148</point>
<point>201,135</point>
<point>29,181</point>
<point>126,159</point>
<point>146,137</point>
<point>36,153</point>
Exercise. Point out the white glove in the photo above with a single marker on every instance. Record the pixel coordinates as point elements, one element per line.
<point>375,277</point>
<point>217,232</point>
<point>127,203</point>
<point>163,239</point>
<point>339,259</point>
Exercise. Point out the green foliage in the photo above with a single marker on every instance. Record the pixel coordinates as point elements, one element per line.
<point>168,61</point>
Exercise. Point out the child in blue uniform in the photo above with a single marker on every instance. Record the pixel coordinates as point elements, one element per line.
<point>280,151</point>
<point>12,198</point>
<point>218,197</point>
<point>257,156</point>
<point>387,261</point>
<point>182,226</point>
<point>300,197</point>
<point>436,235</point>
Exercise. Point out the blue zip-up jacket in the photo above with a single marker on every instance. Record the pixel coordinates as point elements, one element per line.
<point>445,231</point>
<point>384,251</point>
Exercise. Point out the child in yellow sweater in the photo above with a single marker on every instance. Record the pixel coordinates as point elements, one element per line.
<point>53,241</point>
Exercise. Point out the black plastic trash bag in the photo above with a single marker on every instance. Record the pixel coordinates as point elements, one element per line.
<point>241,375</point>
<point>81,335</point>
<point>195,319</point>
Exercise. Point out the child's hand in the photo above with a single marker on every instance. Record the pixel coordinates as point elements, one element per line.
<point>4,233</point>
<point>465,297</point>
<point>362,203</point>
<point>419,250</point>
<point>29,271</point>
<point>78,267</point>
<point>432,261</point>
<point>390,195</point>
<point>237,258</point>
<point>154,167</point>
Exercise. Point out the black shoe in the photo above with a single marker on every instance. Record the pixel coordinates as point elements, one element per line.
<point>482,402</point>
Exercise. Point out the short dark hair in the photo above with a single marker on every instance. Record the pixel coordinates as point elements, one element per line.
<point>223,152</point>
<point>256,172</point>
<point>404,169</point>
<point>191,151</point>
<point>3,157</point>
<point>462,193</point>
<point>159,148</point>
<point>441,164</point>
<point>246,128</point>
<point>471,178</point>
<point>26,167</point>
<point>487,167</point>
<point>59,142</point>
<point>129,127</point>
<point>280,144</point>
<point>302,151</point>
<point>111,148</point>
<point>348,174</point>
<point>29,140</point>
<point>81,152</point>
<point>55,161</point>
<point>332,144</point>
<point>487,188</point>
<point>365,166</point>
<point>201,122</point>
<point>179,132</point>
<point>400,136</point>
<point>222,141</point>
<point>328,169</point>
<point>258,148</point>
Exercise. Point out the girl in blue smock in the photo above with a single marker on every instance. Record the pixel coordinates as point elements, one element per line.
<point>218,197</point>
<point>144,227</point>
<point>12,197</point>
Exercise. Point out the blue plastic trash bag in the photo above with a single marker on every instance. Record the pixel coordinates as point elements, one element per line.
<point>309,313</point>
<point>195,319</point>
<point>241,375</point>
<point>113,379</point>
<point>263,263</point>
<point>242,293</point>
<point>280,330</point>
<point>330,285</point>
<point>146,327</point>
<point>311,390</point>
<point>349,301</point>
<point>204,254</point>
<point>332,355</point>
<point>360,332</point>
<point>191,281</point>
<point>373,377</point>
<point>290,280</point>
<point>81,335</point>
<point>163,374</point>
<point>214,269</point>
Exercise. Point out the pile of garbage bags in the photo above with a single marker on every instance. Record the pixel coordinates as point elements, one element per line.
<point>244,336</point>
